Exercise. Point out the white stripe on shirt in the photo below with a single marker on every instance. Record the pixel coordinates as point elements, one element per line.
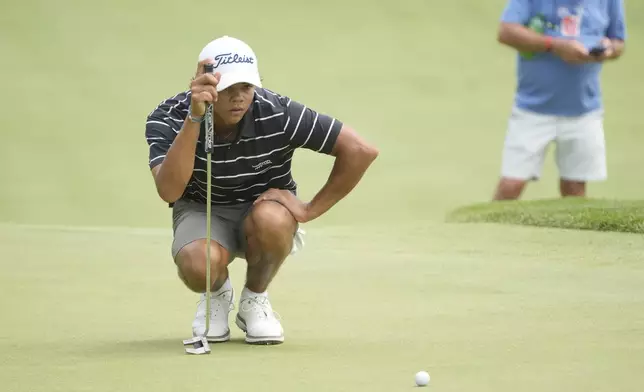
<point>298,122</point>
<point>162,123</point>
<point>327,135</point>
<point>311,132</point>
<point>246,157</point>
<point>159,157</point>
<point>271,116</point>
<point>255,173</point>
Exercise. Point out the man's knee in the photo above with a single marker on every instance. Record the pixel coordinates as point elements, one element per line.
<point>191,264</point>
<point>270,222</point>
<point>509,189</point>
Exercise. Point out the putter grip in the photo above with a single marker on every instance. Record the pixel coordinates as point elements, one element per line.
<point>210,130</point>
<point>210,126</point>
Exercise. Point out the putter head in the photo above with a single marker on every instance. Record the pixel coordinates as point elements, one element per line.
<point>197,345</point>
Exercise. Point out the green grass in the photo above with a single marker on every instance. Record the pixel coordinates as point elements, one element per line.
<point>363,308</point>
<point>90,298</point>
<point>569,213</point>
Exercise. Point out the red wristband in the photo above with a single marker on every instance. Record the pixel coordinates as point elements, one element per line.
<point>548,43</point>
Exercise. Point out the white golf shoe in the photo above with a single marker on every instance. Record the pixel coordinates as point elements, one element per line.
<point>220,305</point>
<point>257,319</point>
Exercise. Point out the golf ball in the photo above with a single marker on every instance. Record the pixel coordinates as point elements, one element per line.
<point>422,378</point>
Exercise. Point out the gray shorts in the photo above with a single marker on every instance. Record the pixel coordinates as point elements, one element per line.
<point>226,226</point>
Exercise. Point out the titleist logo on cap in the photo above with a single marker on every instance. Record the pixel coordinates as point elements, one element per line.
<point>227,58</point>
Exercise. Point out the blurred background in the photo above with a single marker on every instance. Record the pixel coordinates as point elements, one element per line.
<point>425,81</point>
<point>384,288</point>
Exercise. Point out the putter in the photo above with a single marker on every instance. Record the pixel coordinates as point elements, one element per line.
<point>199,344</point>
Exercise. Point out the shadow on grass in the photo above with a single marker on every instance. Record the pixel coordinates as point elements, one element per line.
<point>162,348</point>
<point>136,348</point>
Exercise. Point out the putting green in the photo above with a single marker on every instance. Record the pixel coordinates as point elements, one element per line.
<point>364,308</point>
<point>384,287</point>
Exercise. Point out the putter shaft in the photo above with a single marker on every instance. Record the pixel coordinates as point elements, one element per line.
<point>209,141</point>
<point>208,236</point>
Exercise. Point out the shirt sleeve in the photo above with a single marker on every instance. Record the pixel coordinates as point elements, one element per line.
<point>617,25</point>
<point>516,11</point>
<point>307,128</point>
<point>160,132</point>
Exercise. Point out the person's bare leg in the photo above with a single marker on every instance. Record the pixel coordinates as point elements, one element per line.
<point>191,268</point>
<point>572,188</point>
<point>509,189</point>
<point>269,231</point>
<point>191,265</point>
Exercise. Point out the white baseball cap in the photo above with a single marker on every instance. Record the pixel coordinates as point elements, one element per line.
<point>234,60</point>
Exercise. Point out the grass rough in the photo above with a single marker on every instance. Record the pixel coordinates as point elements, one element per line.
<point>566,213</point>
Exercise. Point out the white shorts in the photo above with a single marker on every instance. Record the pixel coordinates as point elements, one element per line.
<point>580,145</point>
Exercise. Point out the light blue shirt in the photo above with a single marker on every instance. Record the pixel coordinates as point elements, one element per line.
<point>548,85</point>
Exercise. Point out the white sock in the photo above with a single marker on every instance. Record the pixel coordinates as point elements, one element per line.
<point>246,293</point>
<point>225,287</point>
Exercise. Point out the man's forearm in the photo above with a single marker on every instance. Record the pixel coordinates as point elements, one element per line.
<point>522,38</point>
<point>176,169</point>
<point>348,169</point>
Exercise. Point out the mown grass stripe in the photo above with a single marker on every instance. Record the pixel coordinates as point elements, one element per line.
<point>568,213</point>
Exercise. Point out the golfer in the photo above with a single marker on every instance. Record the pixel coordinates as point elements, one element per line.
<point>558,97</point>
<point>255,209</point>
